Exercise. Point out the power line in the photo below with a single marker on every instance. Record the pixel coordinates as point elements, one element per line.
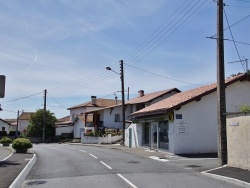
<point>56,101</point>
<point>233,39</point>
<point>22,97</point>
<point>161,75</point>
<point>163,38</point>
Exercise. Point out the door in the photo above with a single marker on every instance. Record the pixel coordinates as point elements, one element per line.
<point>130,137</point>
<point>154,135</point>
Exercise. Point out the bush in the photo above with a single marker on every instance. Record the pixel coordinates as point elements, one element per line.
<point>3,133</point>
<point>5,140</point>
<point>21,144</point>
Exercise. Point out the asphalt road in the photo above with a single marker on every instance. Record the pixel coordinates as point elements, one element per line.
<point>85,166</point>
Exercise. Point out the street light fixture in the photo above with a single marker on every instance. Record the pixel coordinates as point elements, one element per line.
<point>123,100</point>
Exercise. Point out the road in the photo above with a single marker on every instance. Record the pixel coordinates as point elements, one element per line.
<point>67,166</point>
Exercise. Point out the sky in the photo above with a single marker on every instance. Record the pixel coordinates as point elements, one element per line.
<point>64,46</point>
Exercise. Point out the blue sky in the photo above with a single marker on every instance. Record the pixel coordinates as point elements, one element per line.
<point>64,47</point>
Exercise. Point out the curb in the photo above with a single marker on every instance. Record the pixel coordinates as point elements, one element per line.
<point>21,177</point>
<point>226,179</point>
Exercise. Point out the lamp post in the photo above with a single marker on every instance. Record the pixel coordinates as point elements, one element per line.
<point>123,100</point>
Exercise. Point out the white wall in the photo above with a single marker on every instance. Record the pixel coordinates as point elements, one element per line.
<point>22,125</point>
<point>76,111</point>
<point>201,120</point>
<point>109,119</point>
<point>136,135</point>
<point>60,130</point>
<point>3,124</point>
<point>77,128</point>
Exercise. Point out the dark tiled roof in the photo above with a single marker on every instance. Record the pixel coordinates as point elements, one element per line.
<point>151,96</point>
<point>99,103</point>
<point>183,98</point>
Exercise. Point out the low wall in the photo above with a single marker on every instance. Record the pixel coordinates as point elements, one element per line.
<point>99,140</point>
<point>238,140</point>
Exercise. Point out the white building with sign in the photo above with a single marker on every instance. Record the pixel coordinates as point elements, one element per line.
<point>186,122</point>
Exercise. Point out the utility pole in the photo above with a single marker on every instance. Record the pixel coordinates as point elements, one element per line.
<point>221,97</point>
<point>44,115</point>
<point>123,103</point>
<point>17,120</point>
<point>128,94</point>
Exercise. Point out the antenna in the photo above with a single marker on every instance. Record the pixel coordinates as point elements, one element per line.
<point>240,61</point>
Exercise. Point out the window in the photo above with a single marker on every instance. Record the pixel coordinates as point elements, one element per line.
<point>117,118</point>
<point>3,128</point>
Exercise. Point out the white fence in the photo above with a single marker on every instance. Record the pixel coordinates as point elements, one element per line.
<point>99,140</point>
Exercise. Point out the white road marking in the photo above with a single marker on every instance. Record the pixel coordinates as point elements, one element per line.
<point>150,151</point>
<point>83,151</point>
<point>106,165</point>
<point>131,184</point>
<point>93,155</point>
<point>27,159</point>
<point>158,159</point>
<point>7,157</point>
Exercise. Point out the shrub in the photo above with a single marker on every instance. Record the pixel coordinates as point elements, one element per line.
<point>5,140</point>
<point>244,108</point>
<point>21,144</point>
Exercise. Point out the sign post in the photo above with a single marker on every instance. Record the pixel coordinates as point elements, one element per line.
<point>2,86</point>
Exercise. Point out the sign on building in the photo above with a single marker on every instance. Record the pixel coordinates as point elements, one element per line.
<point>182,128</point>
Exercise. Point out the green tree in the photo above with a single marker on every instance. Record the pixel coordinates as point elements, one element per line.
<point>244,108</point>
<point>35,129</point>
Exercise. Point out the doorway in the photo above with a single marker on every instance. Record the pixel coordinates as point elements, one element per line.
<point>154,136</point>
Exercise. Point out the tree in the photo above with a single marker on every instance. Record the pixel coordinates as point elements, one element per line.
<point>244,108</point>
<point>35,129</point>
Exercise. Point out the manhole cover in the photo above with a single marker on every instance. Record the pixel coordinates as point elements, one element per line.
<point>193,166</point>
<point>36,182</point>
<point>134,162</point>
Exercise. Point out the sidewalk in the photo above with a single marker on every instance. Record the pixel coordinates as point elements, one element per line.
<point>11,167</point>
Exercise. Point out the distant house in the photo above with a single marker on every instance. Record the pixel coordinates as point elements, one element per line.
<point>4,125</point>
<point>81,109</point>
<point>64,126</point>
<point>186,122</point>
<point>82,125</point>
<point>12,123</point>
<point>112,116</point>
<point>24,121</point>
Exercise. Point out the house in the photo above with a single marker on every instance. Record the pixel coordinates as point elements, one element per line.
<point>24,121</point>
<point>13,123</point>
<point>186,122</point>
<point>111,116</point>
<point>64,126</point>
<point>4,126</point>
<point>81,109</point>
<point>82,126</point>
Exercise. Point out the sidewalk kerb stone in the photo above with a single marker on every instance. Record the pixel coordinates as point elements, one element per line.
<point>22,176</point>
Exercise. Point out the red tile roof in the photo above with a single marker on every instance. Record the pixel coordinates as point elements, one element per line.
<point>25,115</point>
<point>143,99</point>
<point>183,98</point>
<point>99,103</point>
<point>64,119</point>
<point>151,96</point>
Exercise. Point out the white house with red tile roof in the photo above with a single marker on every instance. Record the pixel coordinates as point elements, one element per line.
<point>112,116</point>
<point>81,109</point>
<point>64,126</point>
<point>24,121</point>
<point>186,122</point>
<point>4,125</point>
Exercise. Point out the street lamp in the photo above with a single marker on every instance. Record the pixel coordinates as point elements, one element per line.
<point>123,100</point>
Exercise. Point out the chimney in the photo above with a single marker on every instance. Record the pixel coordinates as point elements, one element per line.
<point>115,100</point>
<point>140,93</point>
<point>93,100</point>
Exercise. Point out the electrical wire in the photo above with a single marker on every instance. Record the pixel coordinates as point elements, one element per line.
<point>155,44</point>
<point>22,97</point>
<point>233,40</point>
<point>156,74</point>
<point>57,101</point>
